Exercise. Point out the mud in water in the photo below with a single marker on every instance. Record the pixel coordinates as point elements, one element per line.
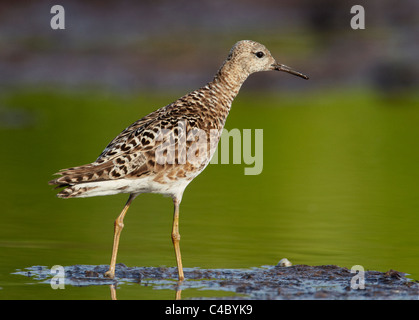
<point>262,283</point>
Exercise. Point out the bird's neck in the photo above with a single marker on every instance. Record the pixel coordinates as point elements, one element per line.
<point>228,81</point>
<point>224,88</point>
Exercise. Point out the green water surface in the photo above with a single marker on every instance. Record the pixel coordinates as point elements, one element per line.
<point>339,186</point>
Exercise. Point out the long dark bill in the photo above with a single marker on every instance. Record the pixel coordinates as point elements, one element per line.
<point>283,67</point>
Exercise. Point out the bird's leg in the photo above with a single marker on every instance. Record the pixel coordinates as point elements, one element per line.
<point>119,225</point>
<point>176,238</point>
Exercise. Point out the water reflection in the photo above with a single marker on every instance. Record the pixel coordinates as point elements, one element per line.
<point>267,282</point>
<point>177,290</point>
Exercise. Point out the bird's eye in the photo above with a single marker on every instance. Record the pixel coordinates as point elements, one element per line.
<point>259,54</point>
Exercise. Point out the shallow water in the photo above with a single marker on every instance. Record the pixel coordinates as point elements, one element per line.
<point>339,186</point>
<point>265,283</point>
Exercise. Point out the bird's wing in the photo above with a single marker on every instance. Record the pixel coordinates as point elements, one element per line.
<point>132,153</point>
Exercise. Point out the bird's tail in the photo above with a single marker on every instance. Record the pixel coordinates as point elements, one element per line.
<point>77,181</point>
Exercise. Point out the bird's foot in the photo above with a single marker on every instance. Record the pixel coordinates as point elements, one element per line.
<point>110,274</point>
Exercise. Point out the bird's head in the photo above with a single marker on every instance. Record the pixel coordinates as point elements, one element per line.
<point>251,56</point>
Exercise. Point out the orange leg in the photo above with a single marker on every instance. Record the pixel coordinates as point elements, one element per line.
<point>176,238</point>
<point>119,225</point>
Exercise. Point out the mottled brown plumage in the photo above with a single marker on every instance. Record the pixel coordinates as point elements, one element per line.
<point>131,163</point>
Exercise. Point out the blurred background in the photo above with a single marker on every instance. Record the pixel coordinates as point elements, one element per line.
<point>340,178</point>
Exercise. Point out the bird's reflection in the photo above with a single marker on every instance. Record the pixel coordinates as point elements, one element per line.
<point>113,291</point>
<point>177,289</point>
